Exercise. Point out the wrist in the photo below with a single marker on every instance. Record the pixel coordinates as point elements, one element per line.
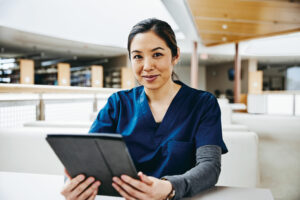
<point>170,190</point>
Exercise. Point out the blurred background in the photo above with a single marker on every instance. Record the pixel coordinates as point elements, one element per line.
<point>61,59</point>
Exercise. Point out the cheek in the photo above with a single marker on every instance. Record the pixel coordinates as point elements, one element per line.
<point>136,68</point>
<point>166,67</point>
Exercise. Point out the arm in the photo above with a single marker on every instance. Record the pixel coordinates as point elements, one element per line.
<point>203,176</point>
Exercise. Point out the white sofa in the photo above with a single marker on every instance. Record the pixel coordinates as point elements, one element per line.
<point>25,150</point>
<point>59,124</point>
<point>279,150</point>
<point>87,125</point>
<point>240,164</point>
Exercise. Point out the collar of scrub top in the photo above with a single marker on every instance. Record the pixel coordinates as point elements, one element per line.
<point>171,113</point>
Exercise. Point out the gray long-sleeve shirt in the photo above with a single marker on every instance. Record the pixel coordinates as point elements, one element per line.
<point>203,176</point>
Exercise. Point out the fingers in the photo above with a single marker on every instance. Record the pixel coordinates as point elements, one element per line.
<point>72,184</point>
<point>67,174</point>
<point>136,183</point>
<point>80,188</point>
<point>122,192</point>
<point>90,191</point>
<point>128,189</point>
<point>92,197</point>
<point>145,178</point>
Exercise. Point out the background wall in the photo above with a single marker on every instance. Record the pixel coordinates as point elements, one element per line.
<point>184,74</point>
<point>217,77</point>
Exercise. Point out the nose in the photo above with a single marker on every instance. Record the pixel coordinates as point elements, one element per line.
<point>148,64</point>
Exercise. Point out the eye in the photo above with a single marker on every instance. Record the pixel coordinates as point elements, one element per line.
<point>136,57</point>
<point>155,55</point>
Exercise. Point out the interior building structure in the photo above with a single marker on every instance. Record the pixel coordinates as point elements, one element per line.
<point>61,60</point>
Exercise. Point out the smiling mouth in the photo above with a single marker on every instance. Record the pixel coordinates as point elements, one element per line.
<point>150,78</point>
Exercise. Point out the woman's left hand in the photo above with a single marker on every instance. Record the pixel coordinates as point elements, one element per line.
<point>146,188</point>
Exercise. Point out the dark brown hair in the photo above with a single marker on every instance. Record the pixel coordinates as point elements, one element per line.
<point>161,28</point>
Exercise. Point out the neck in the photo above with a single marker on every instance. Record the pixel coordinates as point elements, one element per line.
<point>164,93</point>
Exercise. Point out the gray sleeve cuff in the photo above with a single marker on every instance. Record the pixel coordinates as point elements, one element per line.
<point>178,185</point>
<point>201,177</point>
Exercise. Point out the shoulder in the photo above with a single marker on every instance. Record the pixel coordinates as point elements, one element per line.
<point>126,95</point>
<point>199,95</point>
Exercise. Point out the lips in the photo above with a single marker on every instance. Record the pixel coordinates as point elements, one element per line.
<point>150,78</point>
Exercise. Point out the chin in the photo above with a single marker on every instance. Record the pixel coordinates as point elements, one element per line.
<point>151,86</point>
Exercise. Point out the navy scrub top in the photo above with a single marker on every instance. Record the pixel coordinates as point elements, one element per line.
<point>192,120</point>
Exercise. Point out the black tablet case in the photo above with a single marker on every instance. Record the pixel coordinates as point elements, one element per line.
<point>102,156</point>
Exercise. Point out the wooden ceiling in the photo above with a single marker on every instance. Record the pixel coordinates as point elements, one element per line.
<point>226,21</point>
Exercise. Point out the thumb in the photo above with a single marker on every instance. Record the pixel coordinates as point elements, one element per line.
<point>145,178</point>
<point>67,174</point>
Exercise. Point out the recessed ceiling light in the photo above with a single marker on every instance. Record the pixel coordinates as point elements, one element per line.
<point>224,26</point>
<point>224,39</point>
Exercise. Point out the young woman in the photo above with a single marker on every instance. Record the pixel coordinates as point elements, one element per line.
<point>173,132</point>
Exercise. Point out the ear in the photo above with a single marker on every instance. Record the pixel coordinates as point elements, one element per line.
<point>177,57</point>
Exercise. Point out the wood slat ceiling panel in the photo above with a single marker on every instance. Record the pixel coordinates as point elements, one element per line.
<point>244,18</point>
<point>246,29</point>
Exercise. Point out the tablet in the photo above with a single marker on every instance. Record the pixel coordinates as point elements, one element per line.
<point>102,156</point>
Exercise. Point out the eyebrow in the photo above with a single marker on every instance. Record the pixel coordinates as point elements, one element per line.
<point>157,48</point>
<point>137,51</point>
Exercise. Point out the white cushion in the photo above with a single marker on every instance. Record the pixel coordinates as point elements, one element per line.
<point>59,124</point>
<point>240,164</point>
<point>234,127</point>
<point>26,150</point>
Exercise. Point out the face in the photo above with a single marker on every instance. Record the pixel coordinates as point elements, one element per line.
<point>151,60</point>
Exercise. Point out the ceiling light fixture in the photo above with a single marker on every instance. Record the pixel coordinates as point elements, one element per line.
<point>224,39</point>
<point>224,26</point>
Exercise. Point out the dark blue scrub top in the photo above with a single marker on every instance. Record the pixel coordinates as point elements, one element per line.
<point>192,120</point>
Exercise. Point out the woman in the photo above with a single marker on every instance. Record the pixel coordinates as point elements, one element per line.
<point>173,132</point>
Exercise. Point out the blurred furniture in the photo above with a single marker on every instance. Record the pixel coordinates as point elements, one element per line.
<point>121,77</point>
<point>279,150</point>
<point>226,110</point>
<point>127,78</point>
<point>26,103</point>
<point>26,71</point>
<point>255,82</point>
<point>97,76</point>
<point>59,124</point>
<point>274,103</point>
<point>234,193</point>
<point>32,154</point>
<point>26,150</point>
<point>48,187</point>
<point>234,127</point>
<point>63,74</point>
<point>240,165</point>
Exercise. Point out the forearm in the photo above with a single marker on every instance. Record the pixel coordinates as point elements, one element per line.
<point>203,176</point>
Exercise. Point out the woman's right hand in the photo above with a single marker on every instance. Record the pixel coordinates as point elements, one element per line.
<point>80,188</point>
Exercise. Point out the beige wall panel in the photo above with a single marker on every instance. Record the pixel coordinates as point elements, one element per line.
<point>97,76</point>
<point>63,70</point>
<point>255,82</point>
<point>128,79</point>
<point>26,71</point>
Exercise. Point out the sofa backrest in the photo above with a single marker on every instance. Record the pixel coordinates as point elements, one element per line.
<point>240,164</point>
<point>26,150</point>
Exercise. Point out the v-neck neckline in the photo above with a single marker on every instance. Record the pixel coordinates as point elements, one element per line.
<point>147,108</point>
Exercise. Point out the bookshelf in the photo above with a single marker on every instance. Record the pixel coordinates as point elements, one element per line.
<point>119,78</point>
